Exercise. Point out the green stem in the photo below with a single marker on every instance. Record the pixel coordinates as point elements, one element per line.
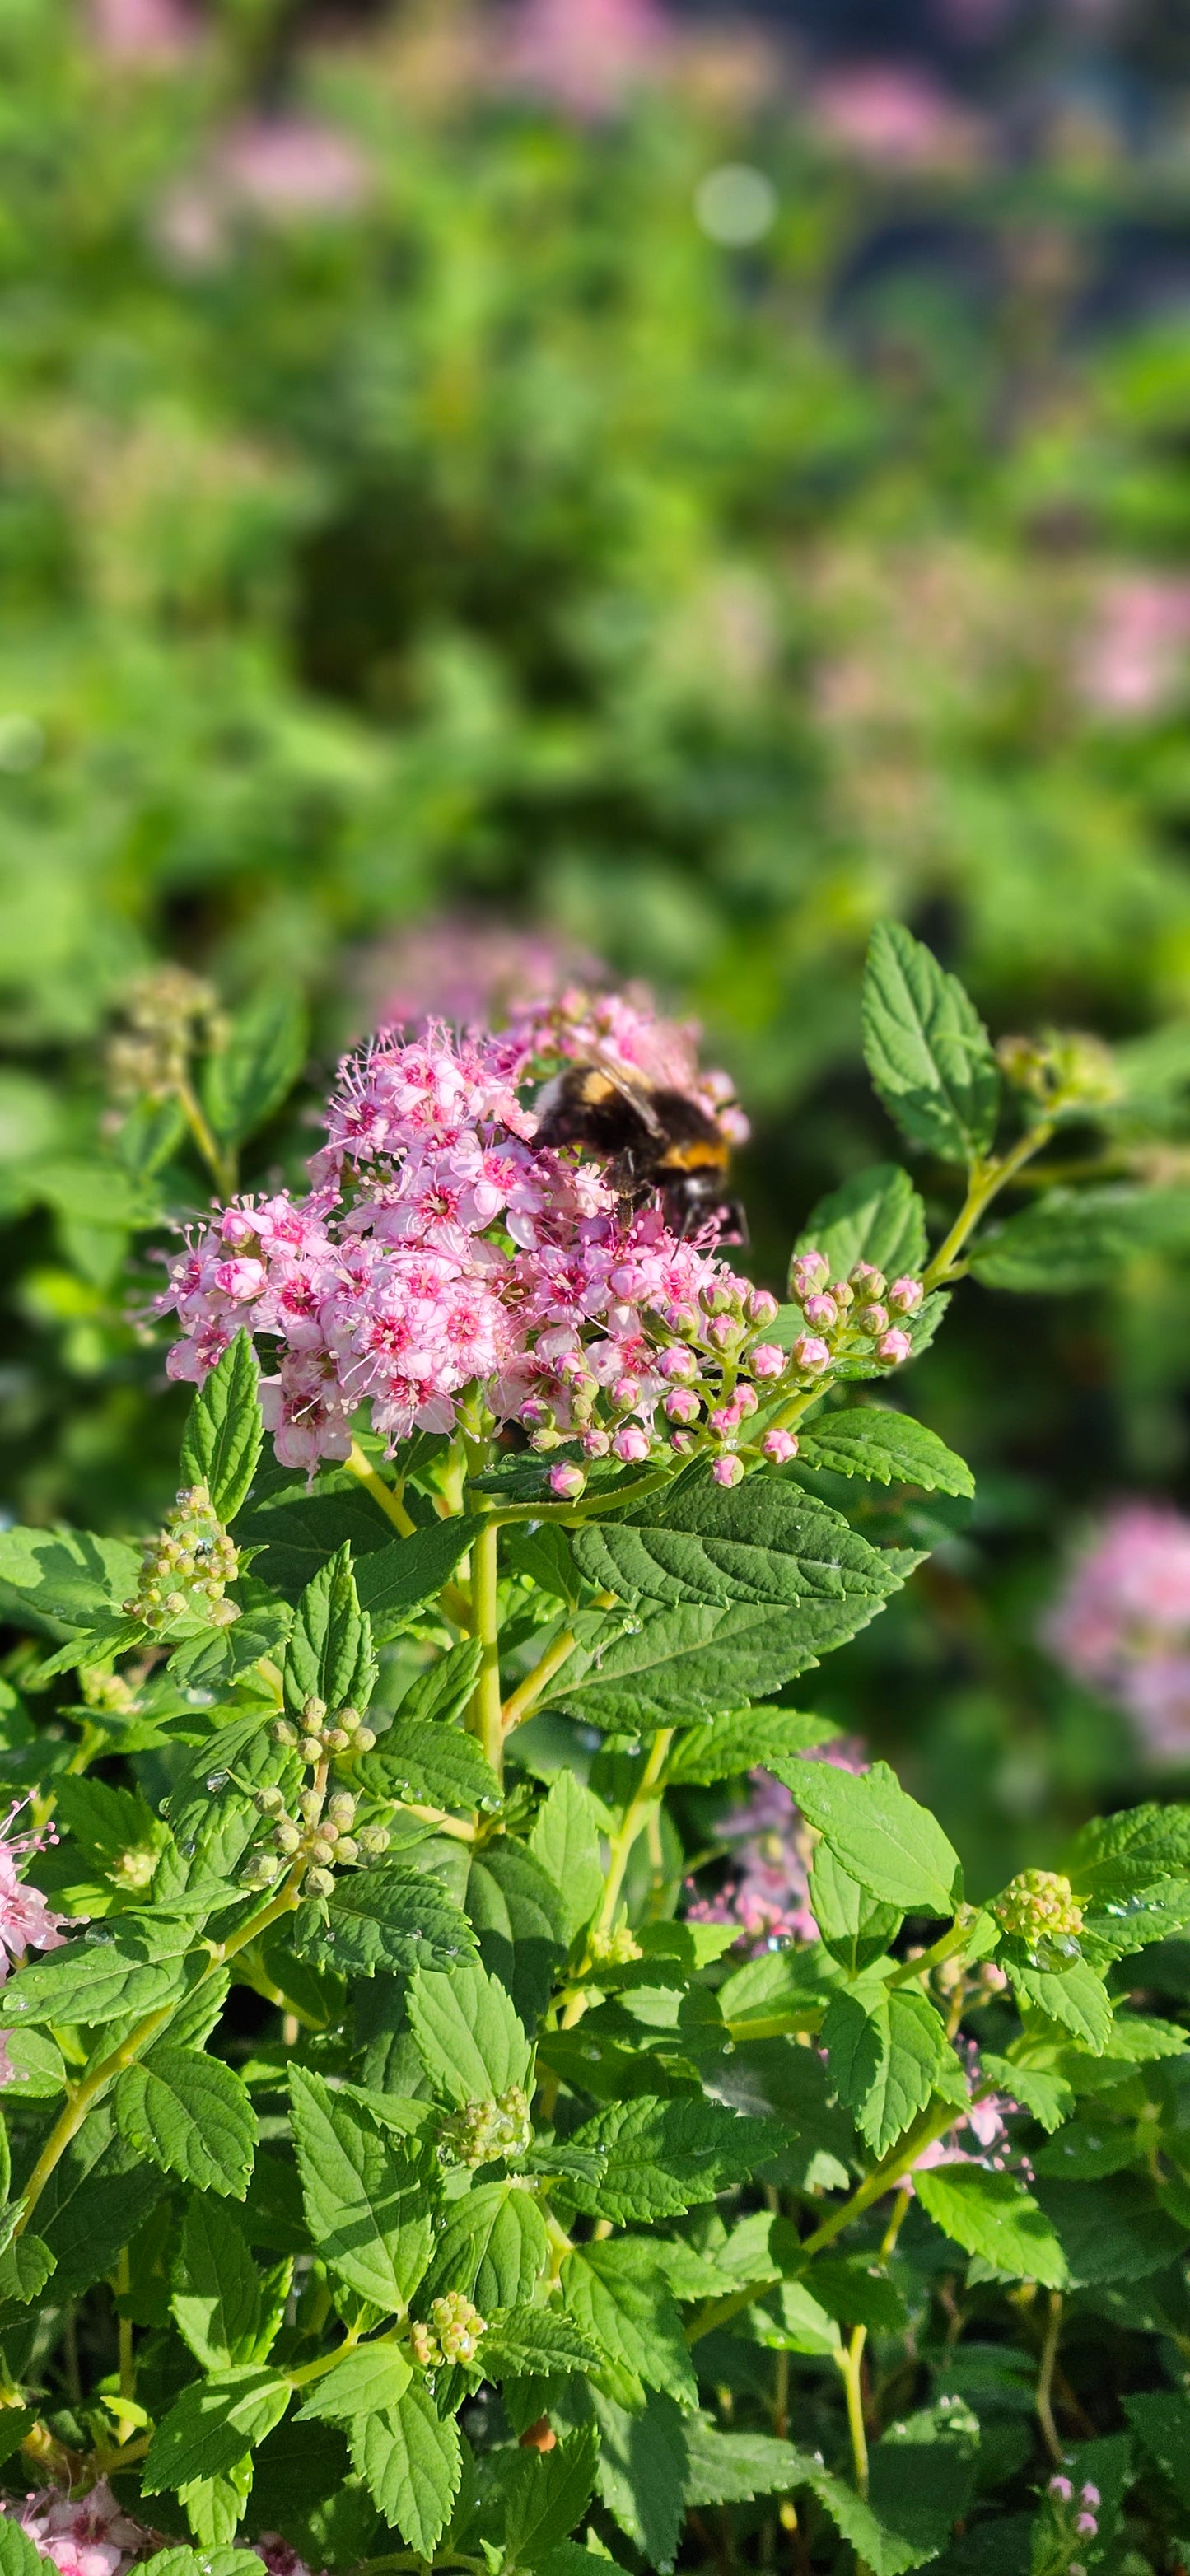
<point>986,1180</point>
<point>521,1700</point>
<point>221,1166</point>
<point>389,1500</point>
<point>486,1716</point>
<point>849,2359</point>
<point>1043,2399</point>
<point>603,1501</point>
<point>944,1948</point>
<point>67,2126</point>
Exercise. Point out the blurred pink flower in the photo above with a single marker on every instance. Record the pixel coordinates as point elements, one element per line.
<point>895,117</point>
<point>464,969</point>
<point>142,31</point>
<point>584,55</point>
<point>768,1893</point>
<point>89,2536</point>
<point>283,165</point>
<point>981,2126</point>
<point>1130,661</point>
<point>1122,1622</point>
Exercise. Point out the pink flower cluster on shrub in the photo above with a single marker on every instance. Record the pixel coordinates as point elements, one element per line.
<point>91,2535</point>
<point>768,1892</point>
<point>440,1251</point>
<point>26,1923</point>
<point>1122,1623</point>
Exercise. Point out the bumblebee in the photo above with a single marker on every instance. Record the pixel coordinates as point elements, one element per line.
<point>654,1143</point>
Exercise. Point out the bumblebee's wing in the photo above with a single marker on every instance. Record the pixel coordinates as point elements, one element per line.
<point>635,1095</point>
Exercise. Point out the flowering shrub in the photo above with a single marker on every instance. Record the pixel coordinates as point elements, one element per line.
<point>1122,1623</point>
<point>424,2146</point>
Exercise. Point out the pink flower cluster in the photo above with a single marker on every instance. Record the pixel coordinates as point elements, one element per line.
<point>1122,1622</point>
<point>984,2122</point>
<point>91,2535</point>
<point>768,1892</point>
<point>623,1032</point>
<point>860,1317</point>
<point>26,1922</point>
<point>1133,654</point>
<point>441,1259</point>
<point>469,971</point>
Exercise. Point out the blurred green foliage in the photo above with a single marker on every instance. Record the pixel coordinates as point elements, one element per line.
<point>461,527</point>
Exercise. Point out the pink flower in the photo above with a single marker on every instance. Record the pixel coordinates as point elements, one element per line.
<point>767,1894</point>
<point>567,1482</point>
<point>807,1272</point>
<point>893,1347</point>
<point>780,1446</point>
<point>584,55</point>
<point>894,117</point>
<point>145,32</point>
<point>811,1353</point>
<point>1122,1622</point>
<point>631,1443</point>
<point>470,972</point>
<point>766,1359</point>
<point>91,2536</point>
<point>26,1922</point>
<point>292,165</point>
<point>905,1296</point>
<point>727,1470</point>
<point>1130,662</point>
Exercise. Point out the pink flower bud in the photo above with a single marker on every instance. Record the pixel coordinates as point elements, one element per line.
<point>567,1482</point>
<point>725,1332</point>
<point>766,1359</point>
<point>746,1400</point>
<point>893,1347</point>
<point>762,1306</point>
<point>1089,2495</point>
<point>810,1353</point>
<point>631,1443</point>
<point>1085,2525</point>
<point>596,1444</point>
<point>240,1279</point>
<point>535,1416</point>
<point>676,1363</point>
<point>868,1281</point>
<point>821,1309</point>
<point>807,1270</point>
<point>780,1446</point>
<point>905,1296</point>
<point>872,1319</point>
<point>727,1470</point>
<point>843,1294</point>
<point>682,1441</point>
<point>236,1228</point>
<point>726,1419</point>
<point>626,1393</point>
<point>682,1405</point>
<point>1060,2489</point>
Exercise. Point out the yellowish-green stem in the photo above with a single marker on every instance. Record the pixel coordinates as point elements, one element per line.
<point>485,1716</point>
<point>386,1495</point>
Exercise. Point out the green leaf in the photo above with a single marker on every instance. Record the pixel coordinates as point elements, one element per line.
<point>620,2300</point>
<point>992,2215</point>
<point>523,2342</point>
<point>368,2200</point>
<point>375,2375</point>
<point>543,2496</point>
<point>641,2474</point>
<point>396,1580</point>
<point>217,2303</point>
<point>664,2157</point>
<point>754,1583</point>
<point>733,2468</point>
<point>1073,1996</point>
<point>876,1216</point>
<point>297,1536</point>
<point>214,2507</point>
<point>493,2247</point>
<point>927,1050</point>
<point>211,2426</point>
<point>1115,2230</point>
<point>329,1655</point>
<point>224,1431</point>
<point>187,2562</point>
<point>411,2463</point>
<point>880,2551</point>
<point>852,1926</point>
<point>388,1917</point>
<point>565,1840</point>
<point>246,1079</point>
<point>885,1447</point>
<point>1160,2419</point>
<point>192,2116</point>
<point>1046,2097</point>
<point>923,2472</point>
<point>896,1849</point>
<point>888,2052</point>
<point>1116,1857</point>
<point>68,1575</point>
<point>1073,1239</point>
<point>441,1693</point>
<point>742,1738</point>
<point>520,1923</point>
<point>95,2200</point>
<point>25,2267</point>
<point>429,1765</point>
<point>18,2557</point>
<point>468,2036</point>
<point>129,1967</point>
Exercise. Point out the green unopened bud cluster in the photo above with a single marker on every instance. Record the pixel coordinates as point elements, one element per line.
<point>483,2131</point>
<point>1061,1068</point>
<point>320,1830</point>
<point>1040,1905</point>
<point>167,1013</point>
<point>452,2335</point>
<point>614,1949</point>
<point>187,1567</point>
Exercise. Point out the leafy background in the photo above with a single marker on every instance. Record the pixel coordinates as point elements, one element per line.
<point>467,527</point>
